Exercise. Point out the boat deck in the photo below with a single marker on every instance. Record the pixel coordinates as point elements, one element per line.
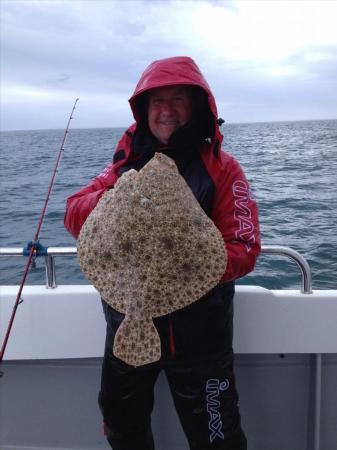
<point>286,370</point>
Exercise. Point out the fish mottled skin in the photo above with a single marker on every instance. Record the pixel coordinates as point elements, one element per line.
<point>149,249</point>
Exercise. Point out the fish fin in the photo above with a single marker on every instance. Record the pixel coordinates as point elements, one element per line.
<point>137,342</point>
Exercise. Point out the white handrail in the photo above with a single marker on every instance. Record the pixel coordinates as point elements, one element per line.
<point>52,252</point>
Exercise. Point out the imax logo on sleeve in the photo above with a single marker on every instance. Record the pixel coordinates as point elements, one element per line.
<point>243,214</point>
<point>213,388</point>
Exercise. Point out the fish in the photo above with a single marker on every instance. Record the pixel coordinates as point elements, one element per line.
<point>149,249</point>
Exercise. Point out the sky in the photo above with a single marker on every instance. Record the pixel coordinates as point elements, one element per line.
<point>269,60</point>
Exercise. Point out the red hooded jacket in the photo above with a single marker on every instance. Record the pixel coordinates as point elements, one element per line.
<point>234,211</point>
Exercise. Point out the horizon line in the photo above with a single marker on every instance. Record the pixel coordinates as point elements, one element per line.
<point>127,126</point>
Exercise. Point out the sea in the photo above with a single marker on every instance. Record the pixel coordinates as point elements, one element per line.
<point>291,167</point>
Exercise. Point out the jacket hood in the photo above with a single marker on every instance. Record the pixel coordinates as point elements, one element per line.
<point>169,72</point>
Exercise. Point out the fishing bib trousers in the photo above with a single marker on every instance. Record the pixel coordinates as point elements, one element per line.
<point>202,384</point>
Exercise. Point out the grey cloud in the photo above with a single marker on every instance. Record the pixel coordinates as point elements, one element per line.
<point>59,79</point>
<point>99,49</point>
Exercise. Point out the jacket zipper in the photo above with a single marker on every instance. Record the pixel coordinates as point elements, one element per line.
<point>171,339</point>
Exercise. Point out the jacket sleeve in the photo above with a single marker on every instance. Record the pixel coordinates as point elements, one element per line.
<point>80,205</point>
<point>235,213</point>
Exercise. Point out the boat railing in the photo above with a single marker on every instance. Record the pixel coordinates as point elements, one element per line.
<point>53,252</point>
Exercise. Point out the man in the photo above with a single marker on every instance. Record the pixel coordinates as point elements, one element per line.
<point>176,114</point>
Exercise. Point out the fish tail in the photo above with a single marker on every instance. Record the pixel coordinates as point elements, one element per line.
<point>137,342</point>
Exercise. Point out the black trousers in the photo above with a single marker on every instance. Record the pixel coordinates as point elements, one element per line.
<point>201,381</point>
<point>204,395</point>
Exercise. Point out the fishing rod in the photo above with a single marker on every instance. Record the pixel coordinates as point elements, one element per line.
<point>34,246</point>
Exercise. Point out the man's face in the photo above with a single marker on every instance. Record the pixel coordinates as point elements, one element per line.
<point>169,108</point>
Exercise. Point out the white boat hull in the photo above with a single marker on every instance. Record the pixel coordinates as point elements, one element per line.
<point>286,370</point>
<point>67,322</point>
